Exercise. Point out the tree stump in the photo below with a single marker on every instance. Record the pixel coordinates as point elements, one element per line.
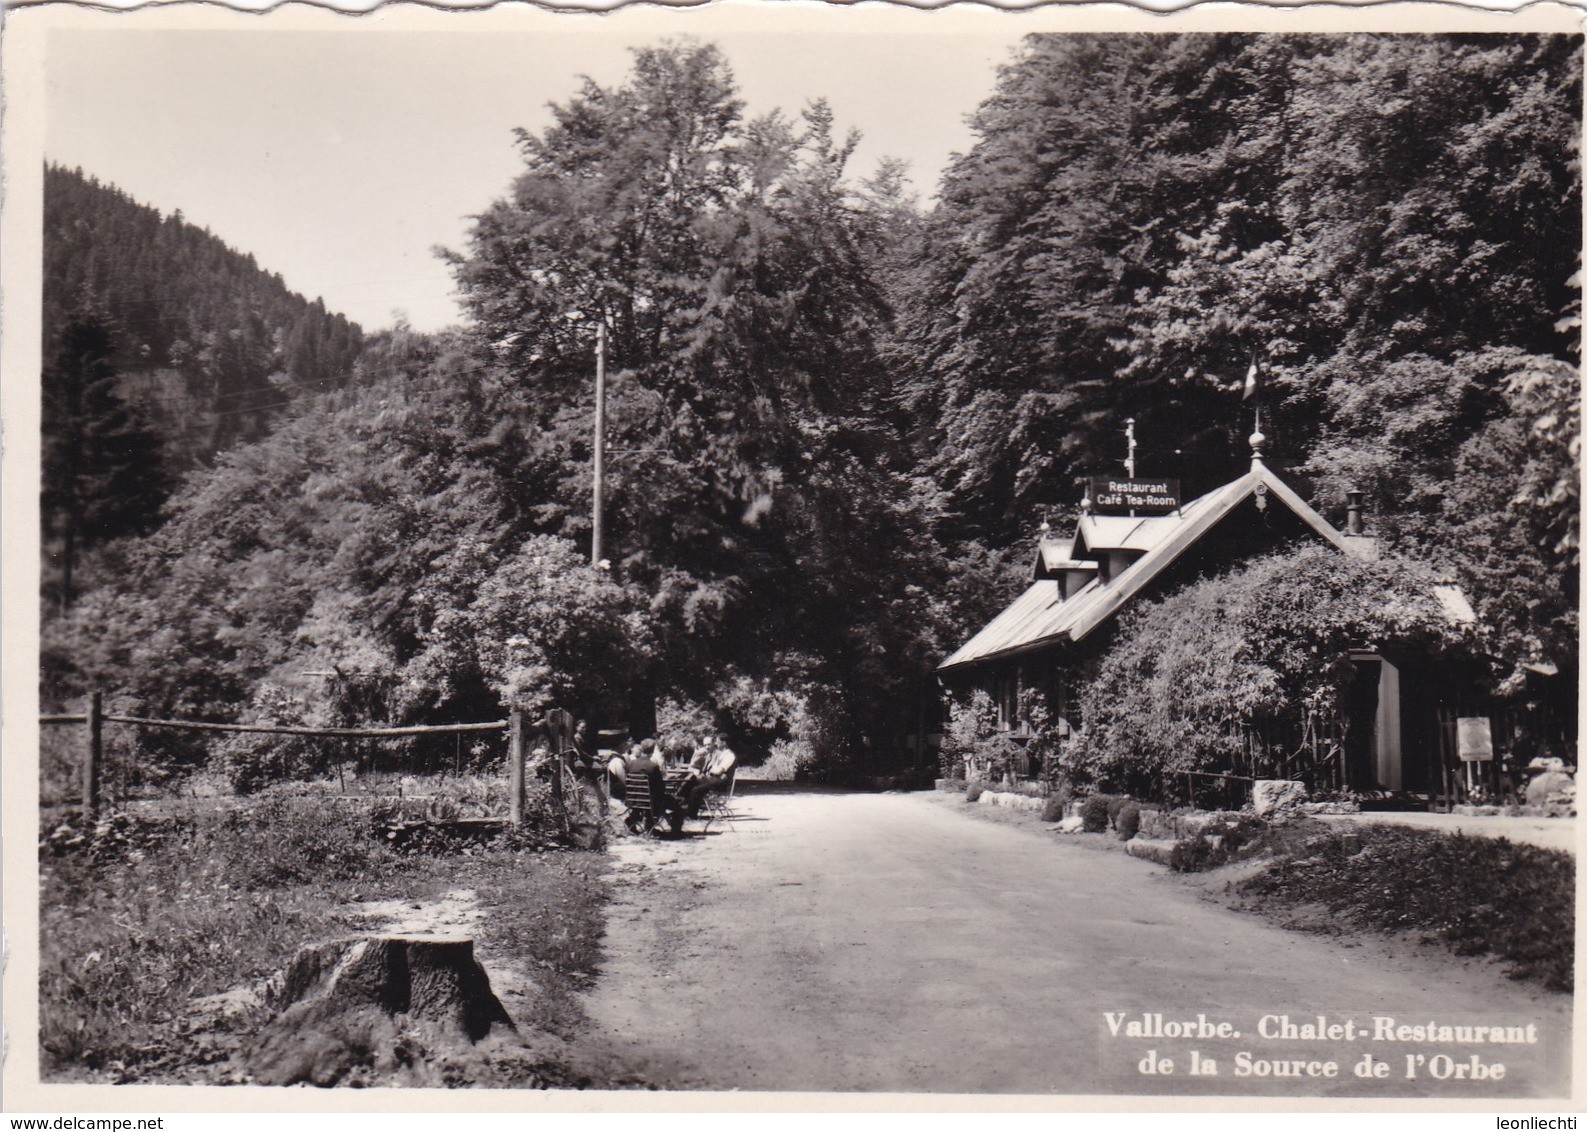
<point>381,1003</point>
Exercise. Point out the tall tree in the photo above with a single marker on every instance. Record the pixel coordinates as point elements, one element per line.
<point>732,260</point>
<point>101,467</point>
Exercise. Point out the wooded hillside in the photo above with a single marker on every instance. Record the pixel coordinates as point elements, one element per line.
<point>837,417</point>
<point>162,346</point>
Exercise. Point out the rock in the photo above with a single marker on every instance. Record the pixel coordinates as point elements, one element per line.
<point>1151,849</point>
<point>1195,822</point>
<point>1009,800</point>
<point>1549,782</point>
<point>346,1005</point>
<point>1156,825</point>
<point>1271,796</point>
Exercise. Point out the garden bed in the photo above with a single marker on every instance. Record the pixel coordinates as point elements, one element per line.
<point>1476,895</point>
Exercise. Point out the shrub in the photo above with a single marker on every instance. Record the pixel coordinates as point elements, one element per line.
<point>1115,807</point>
<point>1053,809</point>
<point>972,792</point>
<point>805,719</point>
<point>1269,642</point>
<point>1128,822</point>
<point>1094,813</point>
<point>1195,854</point>
<point>787,758</point>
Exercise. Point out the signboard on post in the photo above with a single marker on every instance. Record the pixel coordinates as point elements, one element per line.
<point>1112,496</point>
<point>1474,739</point>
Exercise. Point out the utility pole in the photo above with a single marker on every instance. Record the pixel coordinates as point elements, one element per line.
<point>600,445</point>
<point>1129,460</point>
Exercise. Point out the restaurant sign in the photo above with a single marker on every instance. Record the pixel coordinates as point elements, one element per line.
<point>1110,496</point>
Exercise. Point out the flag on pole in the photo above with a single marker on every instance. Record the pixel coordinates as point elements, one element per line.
<point>1251,386</point>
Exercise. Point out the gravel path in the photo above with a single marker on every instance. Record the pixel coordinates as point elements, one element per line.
<point>893,942</point>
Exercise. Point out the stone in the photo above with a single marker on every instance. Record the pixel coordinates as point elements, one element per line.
<point>1151,849</point>
<point>1193,823</point>
<point>1272,796</point>
<point>1009,800</point>
<point>1156,825</point>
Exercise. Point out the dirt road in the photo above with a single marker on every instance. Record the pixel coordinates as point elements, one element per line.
<point>834,942</point>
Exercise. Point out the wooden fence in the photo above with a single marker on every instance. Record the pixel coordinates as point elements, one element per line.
<point>557,725</point>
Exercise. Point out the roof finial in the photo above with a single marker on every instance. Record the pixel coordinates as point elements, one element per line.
<point>1257,440</point>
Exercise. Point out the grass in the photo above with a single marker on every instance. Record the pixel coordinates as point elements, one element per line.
<point>138,918</point>
<point>1478,895</point>
<point>546,919</point>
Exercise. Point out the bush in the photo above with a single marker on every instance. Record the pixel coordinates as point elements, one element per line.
<point>788,757</point>
<point>1115,807</point>
<point>1053,808</point>
<point>1268,642</point>
<point>1094,813</point>
<point>1128,822</point>
<point>1196,854</point>
<point>972,792</point>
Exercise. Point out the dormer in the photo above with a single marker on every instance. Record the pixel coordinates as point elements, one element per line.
<point>1115,562</point>
<point>1055,559</point>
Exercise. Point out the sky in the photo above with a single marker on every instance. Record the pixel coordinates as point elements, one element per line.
<point>341,159</point>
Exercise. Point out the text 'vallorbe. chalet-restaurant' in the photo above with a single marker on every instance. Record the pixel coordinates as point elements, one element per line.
<point>1397,734</point>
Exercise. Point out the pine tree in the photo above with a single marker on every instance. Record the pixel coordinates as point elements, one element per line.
<point>102,471</point>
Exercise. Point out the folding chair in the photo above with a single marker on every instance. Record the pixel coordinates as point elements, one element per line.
<point>717,805</point>
<point>646,813</point>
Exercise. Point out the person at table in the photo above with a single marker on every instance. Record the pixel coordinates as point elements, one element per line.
<point>617,775</point>
<point>708,771</point>
<point>647,760</point>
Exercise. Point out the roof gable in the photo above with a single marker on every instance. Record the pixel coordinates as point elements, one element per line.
<point>1041,616</point>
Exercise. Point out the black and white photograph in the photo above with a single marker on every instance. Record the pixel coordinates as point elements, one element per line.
<point>791,551</point>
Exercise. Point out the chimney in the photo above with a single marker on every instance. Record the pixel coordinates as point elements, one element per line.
<point>1353,513</point>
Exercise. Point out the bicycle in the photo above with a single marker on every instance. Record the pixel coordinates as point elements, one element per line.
<point>578,805</point>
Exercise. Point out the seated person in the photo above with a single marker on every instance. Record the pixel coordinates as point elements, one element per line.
<point>647,760</point>
<point>709,770</point>
<point>617,777</point>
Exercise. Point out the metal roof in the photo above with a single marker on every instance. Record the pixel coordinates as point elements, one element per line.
<point>1055,555</point>
<point>1040,616</point>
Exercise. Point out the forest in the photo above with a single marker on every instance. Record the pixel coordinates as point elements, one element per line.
<point>162,347</point>
<point>837,416</point>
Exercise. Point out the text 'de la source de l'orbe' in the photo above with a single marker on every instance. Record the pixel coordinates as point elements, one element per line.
<point>1367,1047</point>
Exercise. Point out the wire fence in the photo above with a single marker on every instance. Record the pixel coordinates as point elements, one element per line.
<point>557,728</point>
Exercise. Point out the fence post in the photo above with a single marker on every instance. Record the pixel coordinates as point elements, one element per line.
<point>93,753</point>
<point>515,767</point>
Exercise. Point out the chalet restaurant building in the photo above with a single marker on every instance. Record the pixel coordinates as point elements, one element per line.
<point>1135,541</point>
